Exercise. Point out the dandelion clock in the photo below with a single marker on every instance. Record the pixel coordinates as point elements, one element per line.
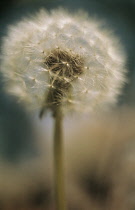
<point>62,62</point>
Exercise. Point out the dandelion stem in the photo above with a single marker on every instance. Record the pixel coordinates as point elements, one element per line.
<point>58,161</point>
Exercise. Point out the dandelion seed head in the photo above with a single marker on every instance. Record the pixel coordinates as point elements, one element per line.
<point>70,53</point>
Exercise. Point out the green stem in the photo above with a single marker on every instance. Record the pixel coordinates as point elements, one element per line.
<point>58,161</point>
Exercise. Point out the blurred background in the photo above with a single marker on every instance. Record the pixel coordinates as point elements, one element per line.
<point>17,131</point>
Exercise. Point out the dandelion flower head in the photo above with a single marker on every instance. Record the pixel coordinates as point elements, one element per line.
<point>63,51</point>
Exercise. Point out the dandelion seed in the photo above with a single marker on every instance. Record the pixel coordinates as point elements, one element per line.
<point>65,47</point>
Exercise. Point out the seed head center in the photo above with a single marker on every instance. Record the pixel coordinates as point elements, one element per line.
<point>64,64</point>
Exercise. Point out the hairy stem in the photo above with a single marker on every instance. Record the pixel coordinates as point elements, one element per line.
<point>58,161</point>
